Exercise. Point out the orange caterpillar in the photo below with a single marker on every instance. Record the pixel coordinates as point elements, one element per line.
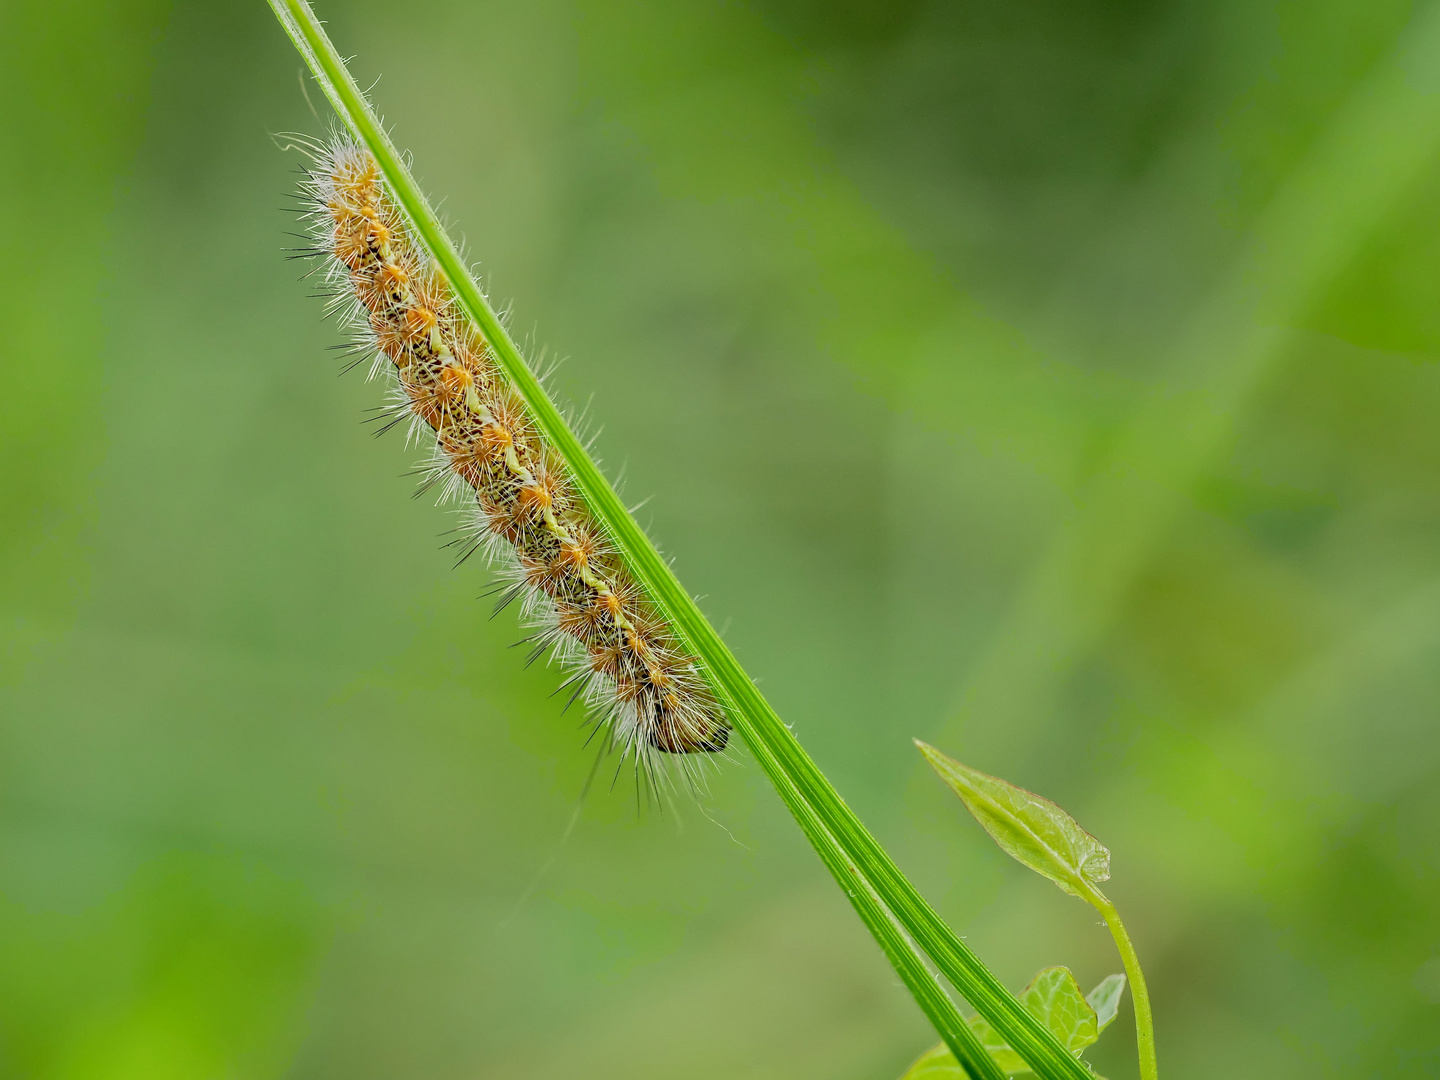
<point>642,688</point>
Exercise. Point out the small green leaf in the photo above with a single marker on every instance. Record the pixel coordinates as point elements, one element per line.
<point>1031,828</point>
<point>1011,1063</point>
<point>1054,998</point>
<point>937,1063</point>
<point>1105,999</point>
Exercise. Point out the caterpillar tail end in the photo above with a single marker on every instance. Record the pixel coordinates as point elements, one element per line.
<point>709,736</point>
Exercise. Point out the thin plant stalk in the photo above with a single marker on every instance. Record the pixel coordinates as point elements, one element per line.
<point>1144,1021</point>
<point>902,922</point>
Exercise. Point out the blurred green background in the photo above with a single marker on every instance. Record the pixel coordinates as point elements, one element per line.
<point>1054,380</point>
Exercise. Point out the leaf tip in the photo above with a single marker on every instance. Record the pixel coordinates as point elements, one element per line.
<point>933,756</point>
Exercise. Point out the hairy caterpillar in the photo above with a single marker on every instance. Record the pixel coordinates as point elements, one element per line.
<point>641,688</point>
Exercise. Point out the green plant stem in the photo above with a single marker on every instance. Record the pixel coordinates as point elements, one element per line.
<point>928,994</point>
<point>892,909</point>
<point>1144,1021</point>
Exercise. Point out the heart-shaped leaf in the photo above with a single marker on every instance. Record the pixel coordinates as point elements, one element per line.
<point>1027,826</point>
<point>1054,998</point>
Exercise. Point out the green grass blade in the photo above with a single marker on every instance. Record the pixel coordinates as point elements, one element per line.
<point>895,913</point>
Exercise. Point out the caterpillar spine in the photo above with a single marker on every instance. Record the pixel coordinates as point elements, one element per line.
<point>640,686</point>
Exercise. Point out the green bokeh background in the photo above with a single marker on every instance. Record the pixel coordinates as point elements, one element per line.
<point>1054,380</point>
